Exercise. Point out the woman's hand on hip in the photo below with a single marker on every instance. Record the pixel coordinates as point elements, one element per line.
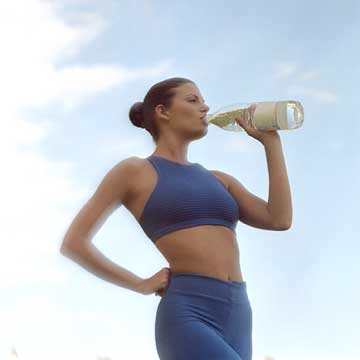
<point>156,283</point>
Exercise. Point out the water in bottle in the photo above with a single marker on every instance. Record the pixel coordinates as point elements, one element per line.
<point>268,115</point>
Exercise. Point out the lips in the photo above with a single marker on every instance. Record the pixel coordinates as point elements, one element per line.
<point>203,120</point>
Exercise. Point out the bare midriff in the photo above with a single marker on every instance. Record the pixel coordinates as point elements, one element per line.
<point>210,250</point>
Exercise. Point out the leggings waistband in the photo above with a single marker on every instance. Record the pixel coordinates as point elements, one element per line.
<point>199,284</point>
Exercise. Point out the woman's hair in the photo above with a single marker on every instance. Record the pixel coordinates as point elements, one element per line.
<point>142,114</point>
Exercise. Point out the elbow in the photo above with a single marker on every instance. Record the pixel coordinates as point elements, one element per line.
<point>284,224</point>
<point>71,246</point>
<point>74,253</point>
<point>65,246</point>
<point>283,227</point>
<point>65,249</point>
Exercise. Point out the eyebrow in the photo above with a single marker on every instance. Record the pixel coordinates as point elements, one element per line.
<point>194,95</point>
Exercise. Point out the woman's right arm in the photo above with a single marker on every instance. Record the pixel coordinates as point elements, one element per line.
<point>76,245</point>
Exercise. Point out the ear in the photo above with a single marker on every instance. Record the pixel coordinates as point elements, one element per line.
<point>162,112</point>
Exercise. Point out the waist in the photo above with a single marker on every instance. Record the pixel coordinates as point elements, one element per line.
<point>196,284</point>
<point>211,251</point>
<point>225,272</point>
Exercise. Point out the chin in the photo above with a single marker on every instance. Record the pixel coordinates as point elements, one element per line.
<point>204,132</point>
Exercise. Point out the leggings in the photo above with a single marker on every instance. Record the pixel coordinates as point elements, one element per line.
<point>200,317</point>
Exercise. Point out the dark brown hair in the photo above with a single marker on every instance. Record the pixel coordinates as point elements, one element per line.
<point>142,114</point>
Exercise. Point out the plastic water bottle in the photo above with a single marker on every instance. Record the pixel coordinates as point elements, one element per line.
<point>268,115</point>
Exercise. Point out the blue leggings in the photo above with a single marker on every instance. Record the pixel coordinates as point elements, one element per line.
<point>200,317</point>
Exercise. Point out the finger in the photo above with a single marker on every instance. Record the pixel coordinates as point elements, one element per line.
<point>242,122</point>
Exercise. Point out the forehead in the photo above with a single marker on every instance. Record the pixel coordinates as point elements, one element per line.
<point>188,88</point>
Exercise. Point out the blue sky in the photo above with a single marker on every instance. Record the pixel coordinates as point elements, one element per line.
<point>70,72</point>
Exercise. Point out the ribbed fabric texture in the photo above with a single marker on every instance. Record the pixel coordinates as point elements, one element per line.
<point>186,196</point>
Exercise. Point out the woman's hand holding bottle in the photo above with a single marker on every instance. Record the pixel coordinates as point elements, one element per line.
<point>259,135</point>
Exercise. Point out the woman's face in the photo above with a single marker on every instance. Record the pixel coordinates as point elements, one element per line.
<point>188,111</point>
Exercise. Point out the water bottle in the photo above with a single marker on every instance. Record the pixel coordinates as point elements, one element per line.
<point>268,115</point>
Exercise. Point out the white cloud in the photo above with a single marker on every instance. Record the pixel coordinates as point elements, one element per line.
<point>308,75</point>
<point>284,70</point>
<point>39,195</point>
<point>322,96</point>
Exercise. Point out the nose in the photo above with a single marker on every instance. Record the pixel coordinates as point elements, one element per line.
<point>206,108</point>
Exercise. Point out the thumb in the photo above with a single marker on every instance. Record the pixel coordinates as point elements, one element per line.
<point>241,122</point>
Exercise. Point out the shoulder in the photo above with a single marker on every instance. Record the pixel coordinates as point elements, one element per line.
<point>114,187</point>
<point>126,166</point>
<point>120,178</point>
<point>223,177</point>
<point>122,173</point>
<point>234,186</point>
<point>138,163</point>
<point>135,167</point>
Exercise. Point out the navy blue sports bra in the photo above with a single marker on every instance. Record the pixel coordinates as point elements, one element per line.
<point>186,196</point>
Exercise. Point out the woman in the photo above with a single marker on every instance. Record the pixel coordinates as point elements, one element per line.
<point>190,213</point>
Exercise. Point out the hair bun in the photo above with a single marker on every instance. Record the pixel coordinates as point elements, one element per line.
<point>136,114</point>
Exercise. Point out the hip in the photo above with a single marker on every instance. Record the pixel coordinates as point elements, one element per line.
<point>193,301</point>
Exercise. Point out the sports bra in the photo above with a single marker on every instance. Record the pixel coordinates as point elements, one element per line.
<point>186,196</point>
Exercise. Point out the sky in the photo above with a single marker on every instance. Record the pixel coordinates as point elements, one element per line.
<point>71,69</point>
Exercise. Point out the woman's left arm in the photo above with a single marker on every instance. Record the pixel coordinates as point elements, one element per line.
<point>279,200</point>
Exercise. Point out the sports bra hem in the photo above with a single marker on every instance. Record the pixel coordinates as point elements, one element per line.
<point>190,223</point>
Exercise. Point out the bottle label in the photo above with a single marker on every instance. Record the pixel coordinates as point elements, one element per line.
<point>281,115</point>
<point>265,115</point>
